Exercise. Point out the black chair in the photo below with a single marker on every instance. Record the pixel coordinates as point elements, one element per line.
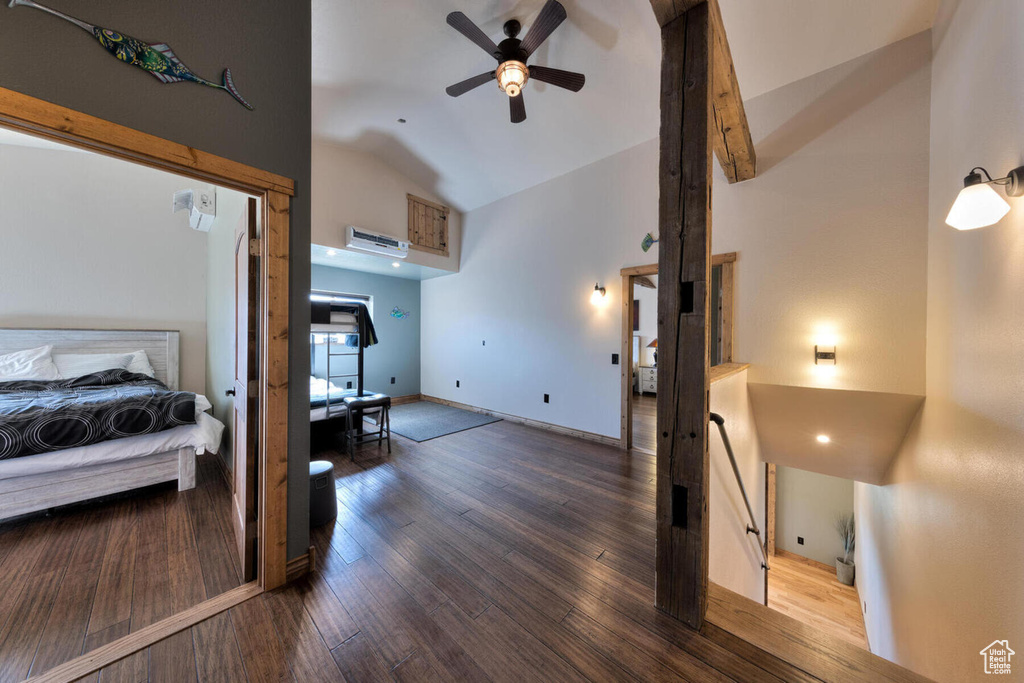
<point>358,406</point>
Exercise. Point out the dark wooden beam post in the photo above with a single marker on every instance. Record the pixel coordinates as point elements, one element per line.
<point>684,262</point>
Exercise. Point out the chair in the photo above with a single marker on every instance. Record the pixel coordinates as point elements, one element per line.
<point>358,406</point>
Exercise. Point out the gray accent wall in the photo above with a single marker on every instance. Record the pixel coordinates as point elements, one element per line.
<point>267,46</point>
<point>398,353</point>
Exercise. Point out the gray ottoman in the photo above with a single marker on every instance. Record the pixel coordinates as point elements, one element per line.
<point>323,503</point>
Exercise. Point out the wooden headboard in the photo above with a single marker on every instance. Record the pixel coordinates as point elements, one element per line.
<point>160,345</point>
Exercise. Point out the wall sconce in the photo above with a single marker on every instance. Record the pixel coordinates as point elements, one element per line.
<point>978,205</point>
<point>598,294</point>
<point>824,355</point>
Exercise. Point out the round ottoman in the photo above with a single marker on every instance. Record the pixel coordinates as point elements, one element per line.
<point>323,503</point>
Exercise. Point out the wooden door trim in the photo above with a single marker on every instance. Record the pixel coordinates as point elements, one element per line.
<point>629,275</point>
<point>44,119</point>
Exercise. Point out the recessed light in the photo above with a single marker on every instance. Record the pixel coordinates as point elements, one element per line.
<point>824,438</point>
<point>395,264</point>
<point>331,252</point>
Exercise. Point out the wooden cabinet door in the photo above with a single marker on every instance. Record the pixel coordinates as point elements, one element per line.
<point>428,226</point>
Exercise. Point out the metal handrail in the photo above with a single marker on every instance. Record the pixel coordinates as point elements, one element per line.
<point>752,527</point>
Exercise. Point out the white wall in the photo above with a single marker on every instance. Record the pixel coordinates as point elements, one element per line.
<point>529,264</point>
<point>941,547</point>
<point>354,188</point>
<point>91,242</point>
<point>734,557</point>
<point>832,233</point>
<point>806,505</point>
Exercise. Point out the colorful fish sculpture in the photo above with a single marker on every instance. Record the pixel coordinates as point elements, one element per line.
<point>157,59</point>
<point>647,242</point>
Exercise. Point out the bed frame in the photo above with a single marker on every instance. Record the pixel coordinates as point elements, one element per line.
<point>22,495</point>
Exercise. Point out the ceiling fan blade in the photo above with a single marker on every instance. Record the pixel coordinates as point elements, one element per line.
<point>461,23</point>
<point>463,87</point>
<point>518,107</point>
<point>547,21</point>
<point>570,80</point>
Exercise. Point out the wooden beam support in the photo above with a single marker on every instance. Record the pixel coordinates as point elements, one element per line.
<point>684,264</point>
<point>733,145</point>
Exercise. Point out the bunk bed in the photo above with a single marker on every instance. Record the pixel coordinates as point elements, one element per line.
<point>343,330</point>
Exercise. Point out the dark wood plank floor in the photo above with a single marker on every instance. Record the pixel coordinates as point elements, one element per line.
<point>501,553</point>
<point>645,422</point>
<point>87,574</point>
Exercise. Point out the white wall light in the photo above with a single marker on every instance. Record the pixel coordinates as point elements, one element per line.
<point>598,296</point>
<point>823,438</point>
<point>978,205</point>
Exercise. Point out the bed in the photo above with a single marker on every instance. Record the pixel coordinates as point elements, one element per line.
<point>339,330</point>
<point>50,479</point>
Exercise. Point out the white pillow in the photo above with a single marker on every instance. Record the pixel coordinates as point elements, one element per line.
<point>28,364</point>
<point>71,365</point>
<point>139,364</point>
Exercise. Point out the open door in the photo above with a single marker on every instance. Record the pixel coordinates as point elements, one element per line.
<point>244,423</point>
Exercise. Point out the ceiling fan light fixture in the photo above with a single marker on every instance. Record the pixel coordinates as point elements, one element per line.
<point>512,76</point>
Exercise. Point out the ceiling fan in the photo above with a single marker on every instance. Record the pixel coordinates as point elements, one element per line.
<point>512,53</point>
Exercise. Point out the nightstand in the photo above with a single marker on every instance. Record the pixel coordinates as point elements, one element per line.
<point>648,380</point>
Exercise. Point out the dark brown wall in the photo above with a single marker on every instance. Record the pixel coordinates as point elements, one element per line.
<point>267,46</point>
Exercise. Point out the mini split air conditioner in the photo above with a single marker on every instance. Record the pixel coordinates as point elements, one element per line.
<point>201,206</point>
<point>355,238</point>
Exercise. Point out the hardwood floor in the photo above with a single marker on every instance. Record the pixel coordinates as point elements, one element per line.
<point>501,553</point>
<point>809,592</point>
<point>90,573</point>
<point>645,422</point>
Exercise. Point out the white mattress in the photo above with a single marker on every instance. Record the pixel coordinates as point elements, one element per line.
<point>204,436</point>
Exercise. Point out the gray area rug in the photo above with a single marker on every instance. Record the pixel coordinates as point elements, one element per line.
<point>426,420</point>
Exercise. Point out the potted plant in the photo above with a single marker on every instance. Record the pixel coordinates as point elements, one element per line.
<point>844,565</point>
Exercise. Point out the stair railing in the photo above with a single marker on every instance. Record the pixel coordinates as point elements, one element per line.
<point>752,527</point>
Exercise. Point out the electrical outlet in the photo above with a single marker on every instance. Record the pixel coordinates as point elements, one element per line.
<point>457,384</point>
<point>349,385</point>
<point>392,380</point>
<point>547,398</point>
<point>615,359</point>
<point>800,540</point>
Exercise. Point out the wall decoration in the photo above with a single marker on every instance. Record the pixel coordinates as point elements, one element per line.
<point>156,58</point>
<point>647,242</point>
<point>397,312</point>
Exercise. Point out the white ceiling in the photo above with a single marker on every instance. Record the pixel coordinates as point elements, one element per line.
<point>9,136</point>
<point>372,263</point>
<point>376,62</point>
<point>866,428</point>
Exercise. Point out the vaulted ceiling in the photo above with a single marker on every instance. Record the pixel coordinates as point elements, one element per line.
<point>377,62</point>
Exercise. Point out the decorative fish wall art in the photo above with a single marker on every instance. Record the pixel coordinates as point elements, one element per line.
<point>156,58</point>
<point>647,242</point>
<point>397,312</point>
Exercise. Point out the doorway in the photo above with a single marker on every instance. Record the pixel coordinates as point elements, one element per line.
<point>639,348</point>
<point>159,525</point>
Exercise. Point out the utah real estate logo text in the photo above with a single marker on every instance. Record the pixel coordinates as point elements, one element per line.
<point>997,657</point>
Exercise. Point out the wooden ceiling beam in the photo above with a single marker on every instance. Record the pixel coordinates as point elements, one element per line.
<point>732,142</point>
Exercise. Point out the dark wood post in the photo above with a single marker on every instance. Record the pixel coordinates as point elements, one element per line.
<point>687,121</point>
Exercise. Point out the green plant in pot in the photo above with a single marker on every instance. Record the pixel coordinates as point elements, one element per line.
<point>844,564</point>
